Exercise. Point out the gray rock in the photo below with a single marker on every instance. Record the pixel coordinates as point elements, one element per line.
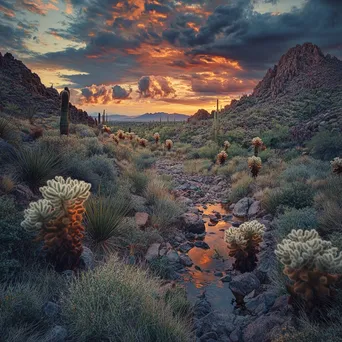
<point>192,223</point>
<point>262,303</point>
<point>209,336</point>
<point>152,252</point>
<point>56,334</point>
<point>241,208</point>
<point>173,256</point>
<point>87,259</point>
<point>185,247</point>
<point>244,283</point>
<point>226,279</point>
<point>202,308</point>
<point>254,209</point>
<point>51,309</point>
<point>218,274</point>
<point>186,260</point>
<point>201,244</point>
<point>236,224</point>
<point>142,220</point>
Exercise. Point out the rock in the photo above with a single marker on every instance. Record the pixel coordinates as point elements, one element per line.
<point>201,244</point>
<point>51,309</point>
<point>218,274</point>
<point>56,334</point>
<point>213,218</point>
<point>232,206</point>
<point>254,209</point>
<point>244,283</point>
<point>201,308</point>
<point>152,252</point>
<point>236,224</point>
<point>209,336</point>
<point>185,260</point>
<point>192,223</point>
<point>185,247</point>
<point>164,248</point>
<point>87,259</point>
<point>262,303</point>
<point>241,208</point>
<point>68,274</point>
<point>226,279</point>
<point>257,330</point>
<point>141,220</point>
<point>198,268</point>
<point>173,256</point>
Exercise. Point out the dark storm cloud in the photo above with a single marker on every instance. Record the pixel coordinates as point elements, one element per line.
<point>120,93</point>
<point>155,86</point>
<point>158,8</point>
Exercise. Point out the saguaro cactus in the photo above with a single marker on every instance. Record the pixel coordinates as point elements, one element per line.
<point>64,122</point>
<point>99,118</point>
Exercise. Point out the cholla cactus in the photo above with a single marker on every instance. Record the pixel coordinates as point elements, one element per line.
<point>221,157</point>
<point>120,134</point>
<point>130,136</point>
<point>312,263</point>
<point>106,129</point>
<point>115,138</point>
<point>243,243</point>
<point>168,144</point>
<point>143,142</point>
<point>156,137</point>
<point>257,143</point>
<point>226,145</point>
<point>58,219</point>
<point>336,165</point>
<point>254,164</point>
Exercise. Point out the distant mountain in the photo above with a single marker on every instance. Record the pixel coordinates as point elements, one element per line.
<point>147,117</point>
<point>303,91</point>
<point>23,89</point>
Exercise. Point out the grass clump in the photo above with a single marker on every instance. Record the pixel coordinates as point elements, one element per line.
<point>118,302</point>
<point>241,187</point>
<point>144,161</point>
<point>139,181</point>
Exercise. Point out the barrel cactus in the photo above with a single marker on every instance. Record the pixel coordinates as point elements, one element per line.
<point>64,122</point>
<point>58,220</point>
<point>313,265</point>
<point>243,243</point>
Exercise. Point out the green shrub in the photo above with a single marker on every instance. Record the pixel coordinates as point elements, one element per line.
<point>305,219</point>
<point>279,137</point>
<point>118,302</point>
<point>209,151</point>
<point>139,181</point>
<point>35,165</point>
<point>296,195</point>
<point>240,189</point>
<point>8,132</point>
<point>103,219</point>
<point>326,145</point>
<point>144,161</point>
<point>93,146</point>
<point>236,150</point>
<point>83,131</point>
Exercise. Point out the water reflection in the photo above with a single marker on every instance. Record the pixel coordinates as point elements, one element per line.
<point>214,262</point>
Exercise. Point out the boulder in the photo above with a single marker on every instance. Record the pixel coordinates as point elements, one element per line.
<point>173,256</point>
<point>244,284</point>
<point>152,252</point>
<point>193,223</point>
<point>242,207</point>
<point>254,209</point>
<point>87,259</point>
<point>186,260</point>
<point>51,309</point>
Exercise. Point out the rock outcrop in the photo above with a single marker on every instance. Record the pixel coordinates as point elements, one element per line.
<point>24,89</point>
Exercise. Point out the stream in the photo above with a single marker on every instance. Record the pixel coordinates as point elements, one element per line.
<point>213,264</point>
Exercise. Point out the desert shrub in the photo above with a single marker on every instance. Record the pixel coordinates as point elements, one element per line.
<point>241,188</point>
<point>329,202</point>
<point>139,181</point>
<point>119,302</point>
<point>161,267</point>
<point>208,151</point>
<point>291,154</point>
<point>236,150</point>
<point>103,219</point>
<point>326,145</point>
<point>296,195</point>
<point>156,189</point>
<point>144,161</point>
<point>197,166</point>
<point>266,155</point>
<point>35,165</point>
<point>8,132</point>
<point>279,137</point>
<point>93,146</point>
<point>83,131</point>
<point>293,218</point>
<point>165,213</point>
<point>21,304</point>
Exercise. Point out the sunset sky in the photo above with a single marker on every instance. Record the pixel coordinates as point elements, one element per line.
<point>137,56</point>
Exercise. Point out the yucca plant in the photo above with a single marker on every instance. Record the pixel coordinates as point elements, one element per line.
<point>36,165</point>
<point>103,219</point>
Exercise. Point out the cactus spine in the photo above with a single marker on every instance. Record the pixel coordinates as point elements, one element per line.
<point>64,122</point>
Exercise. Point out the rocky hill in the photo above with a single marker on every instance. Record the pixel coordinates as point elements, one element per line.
<point>303,91</point>
<point>21,88</point>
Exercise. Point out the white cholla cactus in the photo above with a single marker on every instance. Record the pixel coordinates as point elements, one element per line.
<point>257,141</point>
<point>168,144</point>
<point>336,165</point>
<point>306,249</point>
<point>241,235</point>
<point>226,145</point>
<point>58,195</point>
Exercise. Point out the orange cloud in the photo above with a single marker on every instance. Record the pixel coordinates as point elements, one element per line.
<point>8,12</point>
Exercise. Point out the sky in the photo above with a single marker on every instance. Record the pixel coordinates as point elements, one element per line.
<point>136,56</point>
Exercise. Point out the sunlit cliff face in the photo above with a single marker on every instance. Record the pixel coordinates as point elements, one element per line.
<point>135,56</point>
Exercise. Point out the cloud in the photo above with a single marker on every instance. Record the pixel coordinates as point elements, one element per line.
<point>37,6</point>
<point>155,86</point>
<point>120,93</point>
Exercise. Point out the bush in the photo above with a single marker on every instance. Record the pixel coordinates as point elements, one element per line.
<point>326,145</point>
<point>241,188</point>
<point>156,189</point>
<point>297,195</point>
<point>83,131</point>
<point>118,302</point>
<point>8,132</point>
<point>139,181</point>
<point>198,166</point>
<point>144,161</point>
<point>208,151</point>
<point>305,219</point>
<point>35,165</point>
<point>103,219</point>
<point>279,137</point>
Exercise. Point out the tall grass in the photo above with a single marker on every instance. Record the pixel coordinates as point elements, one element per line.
<point>118,302</point>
